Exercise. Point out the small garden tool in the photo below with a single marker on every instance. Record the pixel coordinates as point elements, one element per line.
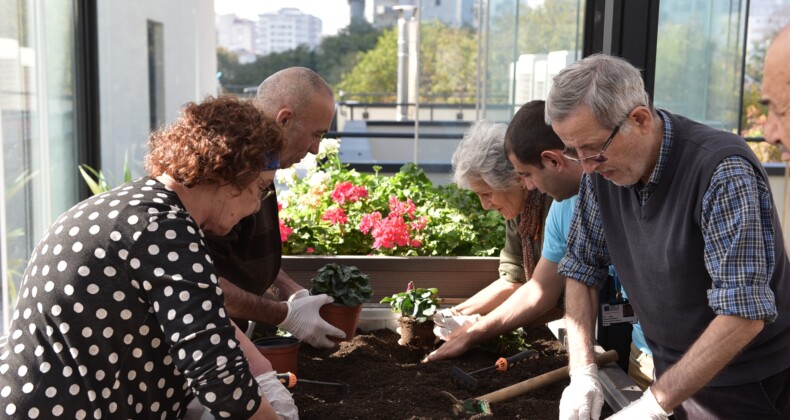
<point>289,380</point>
<point>467,381</point>
<point>482,404</point>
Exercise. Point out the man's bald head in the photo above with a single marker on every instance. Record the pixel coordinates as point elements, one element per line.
<point>293,87</point>
<point>303,104</point>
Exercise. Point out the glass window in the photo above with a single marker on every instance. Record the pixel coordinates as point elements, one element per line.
<point>699,59</point>
<point>37,128</point>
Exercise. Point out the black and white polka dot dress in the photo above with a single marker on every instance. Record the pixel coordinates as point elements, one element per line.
<point>120,316</point>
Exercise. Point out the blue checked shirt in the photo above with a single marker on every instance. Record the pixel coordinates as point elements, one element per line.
<point>736,224</point>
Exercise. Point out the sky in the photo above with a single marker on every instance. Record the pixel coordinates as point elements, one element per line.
<point>333,13</point>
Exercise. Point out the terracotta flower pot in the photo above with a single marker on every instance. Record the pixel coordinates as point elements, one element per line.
<point>342,317</point>
<point>282,352</point>
<point>416,335</point>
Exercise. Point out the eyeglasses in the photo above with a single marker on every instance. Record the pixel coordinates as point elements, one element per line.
<point>598,157</point>
<point>264,192</point>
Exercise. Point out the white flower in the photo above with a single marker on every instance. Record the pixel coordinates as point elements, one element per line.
<point>285,198</point>
<point>328,146</point>
<point>287,177</point>
<point>318,178</point>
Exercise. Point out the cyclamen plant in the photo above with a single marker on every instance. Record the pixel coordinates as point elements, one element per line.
<point>334,210</point>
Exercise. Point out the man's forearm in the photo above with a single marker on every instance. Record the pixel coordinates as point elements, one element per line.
<point>489,298</point>
<point>525,305</point>
<point>285,285</point>
<point>581,311</point>
<point>245,305</point>
<point>725,337</point>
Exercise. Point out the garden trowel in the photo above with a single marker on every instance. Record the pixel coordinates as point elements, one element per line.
<point>467,381</point>
<point>482,404</point>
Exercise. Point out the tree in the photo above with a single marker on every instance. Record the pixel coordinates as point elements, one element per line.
<point>447,65</point>
<point>338,54</point>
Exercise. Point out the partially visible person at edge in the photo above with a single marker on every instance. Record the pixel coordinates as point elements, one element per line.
<point>480,165</point>
<point>248,258</point>
<point>776,91</point>
<point>536,153</point>
<point>119,312</point>
<point>685,213</point>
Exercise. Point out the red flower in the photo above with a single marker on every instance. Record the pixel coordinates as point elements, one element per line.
<point>335,216</point>
<point>310,250</point>
<point>402,208</point>
<point>285,231</point>
<point>346,191</point>
<point>420,223</point>
<point>369,221</point>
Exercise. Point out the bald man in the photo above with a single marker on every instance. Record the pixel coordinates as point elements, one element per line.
<point>776,91</point>
<point>248,258</point>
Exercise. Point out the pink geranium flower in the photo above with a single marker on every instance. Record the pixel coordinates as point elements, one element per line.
<point>285,231</point>
<point>335,216</point>
<point>369,221</point>
<point>348,192</point>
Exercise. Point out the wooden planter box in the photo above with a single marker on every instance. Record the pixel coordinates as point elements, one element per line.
<point>457,278</point>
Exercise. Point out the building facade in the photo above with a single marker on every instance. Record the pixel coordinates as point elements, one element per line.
<point>237,35</point>
<point>287,29</point>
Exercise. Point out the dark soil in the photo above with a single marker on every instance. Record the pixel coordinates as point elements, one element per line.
<point>387,381</point>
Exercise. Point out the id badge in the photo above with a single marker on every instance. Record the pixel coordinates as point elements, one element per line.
<point>617,313</point>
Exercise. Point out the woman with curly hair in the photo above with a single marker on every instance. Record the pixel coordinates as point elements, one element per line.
<point>120,314</point>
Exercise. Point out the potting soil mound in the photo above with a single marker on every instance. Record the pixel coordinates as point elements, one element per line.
<point>387,381</point>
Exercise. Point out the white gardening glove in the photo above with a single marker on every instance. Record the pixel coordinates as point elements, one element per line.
<point>645,407</point>
<point>448,325</point>
<point>277,395</point>
<point>304,322</point>
<point>583,398</point>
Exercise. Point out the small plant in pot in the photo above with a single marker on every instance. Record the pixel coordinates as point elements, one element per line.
<point>416,306</point>
<point>350,288</point>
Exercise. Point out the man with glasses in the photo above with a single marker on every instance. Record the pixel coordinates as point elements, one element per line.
<point>248,259</point>
<point>685,214</point>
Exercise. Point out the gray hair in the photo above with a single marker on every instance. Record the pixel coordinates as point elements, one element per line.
<point>609,87</point>
<point>480,156</point>
<point>293,87</point>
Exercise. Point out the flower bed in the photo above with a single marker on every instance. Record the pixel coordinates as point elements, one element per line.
<point>334,210</point>
<point>388,381</point>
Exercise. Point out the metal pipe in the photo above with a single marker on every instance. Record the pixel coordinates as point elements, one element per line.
<point>402,95</point>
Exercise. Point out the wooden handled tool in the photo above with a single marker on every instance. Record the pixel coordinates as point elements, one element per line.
<point>482,403</point>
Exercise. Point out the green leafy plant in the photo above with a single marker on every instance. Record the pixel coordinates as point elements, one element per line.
<point>334,210</point>
<point>415,302</point>
<point>508,343</point>
<point>346,283</point>
<point>96,180</point>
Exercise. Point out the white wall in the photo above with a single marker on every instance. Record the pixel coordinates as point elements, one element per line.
<point>190,66</point>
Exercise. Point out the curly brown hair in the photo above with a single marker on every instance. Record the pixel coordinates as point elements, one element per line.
<point>221,140</point>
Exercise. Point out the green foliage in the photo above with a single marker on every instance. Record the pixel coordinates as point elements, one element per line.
<point>345,283</point>
<point>509,343</point>
<point>417,303</point>
<point>447,66</point>
<point>455,223</point>
<point>96,180</point>
<point>376,70</point>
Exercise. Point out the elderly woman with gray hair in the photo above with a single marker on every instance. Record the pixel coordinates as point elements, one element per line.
<point>514,299</point>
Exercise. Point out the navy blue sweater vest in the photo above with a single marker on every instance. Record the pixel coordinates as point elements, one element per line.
<point>658,252</point>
